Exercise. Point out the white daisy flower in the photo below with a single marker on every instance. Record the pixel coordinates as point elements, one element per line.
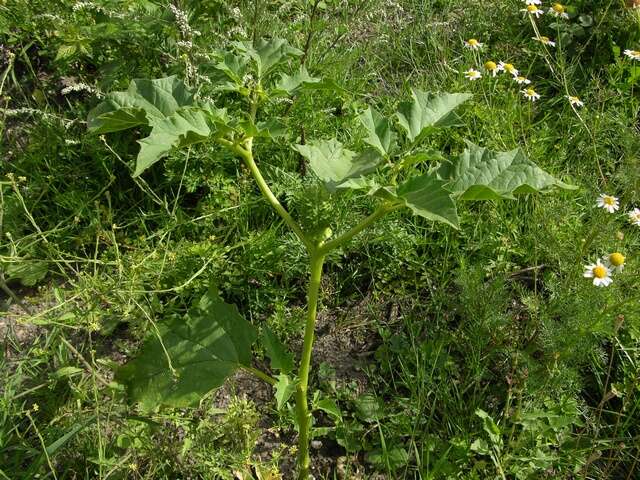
<point>575,101</point>
<point>600,273</point>
<point>509,68</point>
<point>472,74</point>
<point>491,67</point>
<point>545,41</point>
<point>473,44</point>
<point>532,10</point>
<point>530,94</point>
<point>633,54</point>
<point>558,10</point>
<point>614,261</point>
<point>533,2</point>
<point>522,80</point>
<point>609,203</point>
<point>634,216</point>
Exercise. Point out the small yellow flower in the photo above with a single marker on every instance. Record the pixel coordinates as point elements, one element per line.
<point>608,202</point>
<point>472,74</point>
<point>545,41</point>
<point>509,68</point>
<point>491,67</point>
<point>532,10</point>
<point>614,261</point>
<point>600,273</point>
<point>575,101</point>
<point>633,54</point>
<point>473,44</point>
<point>558,10</point>
<point>522,80</point>
<point>35,407</point>
<point>530,94</point>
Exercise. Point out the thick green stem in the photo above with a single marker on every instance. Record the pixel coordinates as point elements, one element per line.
<point>302,406</point>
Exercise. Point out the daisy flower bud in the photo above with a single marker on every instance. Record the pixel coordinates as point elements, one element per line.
<point>599,272</point>
<point>472,74</point>
<point>609,203</point>
<point>530,94</point>
<point>521,80</point>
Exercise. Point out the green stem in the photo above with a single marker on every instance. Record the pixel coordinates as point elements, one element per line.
<point>381,211</point>
<point>302,406</point>
<point>247,155</point>
<point>261,375</point>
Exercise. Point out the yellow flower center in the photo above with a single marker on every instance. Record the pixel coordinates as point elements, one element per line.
<point>574,99</point>
<point>532,8</point>
<point>558,8</point>
<point>520,78</point>
<point>509,67</point>
<point>616,259</point>
<point>609,200</point>
<point>599,271</point>
<point>473,42</point>
<point>531,92</point>
<point>544,39</point>
<point>490,65</point>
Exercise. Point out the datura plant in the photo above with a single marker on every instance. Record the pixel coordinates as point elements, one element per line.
<point>188,357</point>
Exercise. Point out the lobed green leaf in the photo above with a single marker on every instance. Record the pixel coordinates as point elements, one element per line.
<point>334,164</point>
<point>481,174</point>
<point>427,111</point>
<point>190,356</point>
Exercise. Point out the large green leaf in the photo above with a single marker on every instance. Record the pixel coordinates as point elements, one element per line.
<point>481,174</point>
<point>380,134</point>
<point>426,196</point>
<point>334,164</point>
<point>142,103</point>
<point>166,105</point>
<point>427,111</point>
<point>267,54</point>
<point>183,128</point>
<point>193,355</point>
<point>290,84</point>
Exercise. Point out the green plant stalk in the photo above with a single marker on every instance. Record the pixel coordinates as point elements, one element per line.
<point>302,406</point>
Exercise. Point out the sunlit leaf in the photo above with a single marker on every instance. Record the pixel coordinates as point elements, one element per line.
<point>290,84</point>
<point>285,387</point>
<point>380,134</point>
<point>193,355</point>
<point>183,128</point>
<point>267,54</point>
<point>426,196</point>
<point>167,106</point>
<point>481,174</point>
<point>427,111</point>
<point>281,357</point>
<point>334,164</point>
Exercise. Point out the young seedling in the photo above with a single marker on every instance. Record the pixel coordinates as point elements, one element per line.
<point>188,357</point>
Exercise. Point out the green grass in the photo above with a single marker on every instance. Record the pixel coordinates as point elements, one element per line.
<point>493,317</point>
